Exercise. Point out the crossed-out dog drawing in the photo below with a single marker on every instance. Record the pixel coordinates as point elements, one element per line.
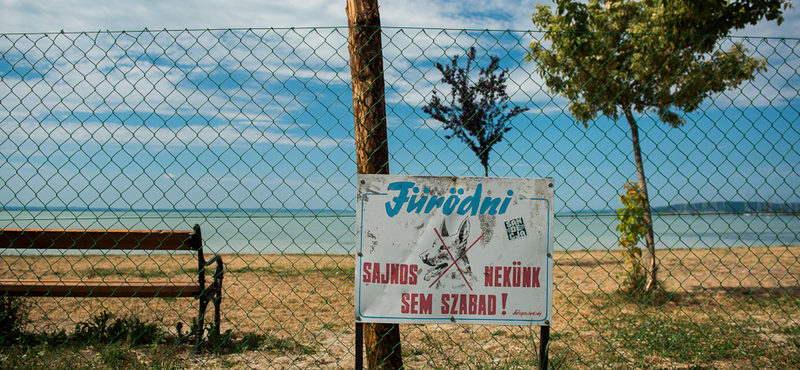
<point>445,249</point>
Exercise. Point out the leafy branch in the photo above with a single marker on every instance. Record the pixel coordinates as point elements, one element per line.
<point>478,113</point>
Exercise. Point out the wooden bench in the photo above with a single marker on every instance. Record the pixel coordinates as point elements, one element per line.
<point>141,240</point>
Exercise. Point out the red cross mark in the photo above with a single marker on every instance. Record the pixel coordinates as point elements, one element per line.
<point>455,260</point>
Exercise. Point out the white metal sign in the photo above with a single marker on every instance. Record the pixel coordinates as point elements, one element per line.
<point>472,250</point>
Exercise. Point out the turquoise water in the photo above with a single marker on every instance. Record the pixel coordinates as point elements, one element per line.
<point>684,231</point>
<point>331,232</point>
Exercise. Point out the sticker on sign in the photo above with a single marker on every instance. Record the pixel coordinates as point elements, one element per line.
<point>470,250</point>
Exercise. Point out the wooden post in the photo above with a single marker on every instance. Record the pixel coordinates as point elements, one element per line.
<point>382,341</point>
<point>366,70</point>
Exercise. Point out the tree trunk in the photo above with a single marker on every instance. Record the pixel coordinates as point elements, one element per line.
<point>648,218</point>
<point>382,341</point>
<point>366,71</point>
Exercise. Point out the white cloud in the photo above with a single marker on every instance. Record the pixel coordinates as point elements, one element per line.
<point>211,74</point>
<point>498,14</point>
<point>47,138</point>
<point>95,15</point>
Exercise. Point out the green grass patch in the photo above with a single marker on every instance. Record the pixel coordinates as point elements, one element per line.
<point>100,272</point>
<point>106,328</point>
<point>289,272</point>
<point>773,301</point>
<point>518,363</point>
<point>648,339</point>
<point>328,271</point>
<point>114,356</point>
<point>604,301</point>
<point>106,341</point>
<point>348,273</point>
<point>329,326</point>
<point>230,342</point>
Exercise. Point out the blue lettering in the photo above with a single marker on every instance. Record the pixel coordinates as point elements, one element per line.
<point>425,202</point>
<point>490,204</point>
<point>435,202</point>
<point>506,202</point>
<point>415,205</point>
<point>451,203</point>
<point>401,198</point>
<point>470,203</point>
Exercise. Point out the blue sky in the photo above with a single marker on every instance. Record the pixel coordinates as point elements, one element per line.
<point>118,15</point>
<point>241,119</point>
<point>89,15</point>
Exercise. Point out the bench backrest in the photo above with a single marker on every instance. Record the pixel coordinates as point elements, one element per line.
<point>101,239</point>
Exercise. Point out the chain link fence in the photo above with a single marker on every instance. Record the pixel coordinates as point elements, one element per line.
<point>249,133</point>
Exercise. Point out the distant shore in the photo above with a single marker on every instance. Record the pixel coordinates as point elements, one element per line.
<point>695,208</point>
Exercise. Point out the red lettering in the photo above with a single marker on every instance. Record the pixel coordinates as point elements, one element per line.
<point>367,272</point>
<point>376,273</point>
<point>403,274</point>
<point>393,273</point>
<point>395,267</point>
<point>416,303</point>
<point>426,304</point>
<point>506,276</point>
<point>473,304</point>
<point>385,276</point>
<point>511,276</point>
<point>482,305</point>
<point>465,304</point>
<point>526,277</point>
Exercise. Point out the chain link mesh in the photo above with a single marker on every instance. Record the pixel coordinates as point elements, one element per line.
<point>248,132</point>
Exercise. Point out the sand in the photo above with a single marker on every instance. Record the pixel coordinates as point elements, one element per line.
<point>309,299</point>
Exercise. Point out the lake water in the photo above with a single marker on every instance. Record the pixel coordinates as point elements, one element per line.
<point>330,232</point>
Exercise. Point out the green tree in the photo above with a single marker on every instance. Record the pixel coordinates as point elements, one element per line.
<point>478,112</point>
<point>628,58</point>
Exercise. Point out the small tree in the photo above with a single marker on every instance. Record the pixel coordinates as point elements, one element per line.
<point>625,58</point>
<point>632,228</point>
<point>475,112</point>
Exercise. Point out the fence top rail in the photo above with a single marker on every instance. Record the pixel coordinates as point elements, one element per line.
<point>334,27</point>
<point>100,239</point>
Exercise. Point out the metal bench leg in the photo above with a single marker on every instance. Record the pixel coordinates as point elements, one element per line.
<point>217,319</point>
<point>200,324</point>
<point>218,276</point>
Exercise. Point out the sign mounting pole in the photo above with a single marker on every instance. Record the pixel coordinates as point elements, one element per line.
<point>369,111</point>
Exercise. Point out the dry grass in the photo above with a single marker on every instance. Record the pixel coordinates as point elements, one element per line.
<point>309,298</point>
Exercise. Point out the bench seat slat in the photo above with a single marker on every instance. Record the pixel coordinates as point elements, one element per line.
<point>95,239</point>
<point>79,288</point>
